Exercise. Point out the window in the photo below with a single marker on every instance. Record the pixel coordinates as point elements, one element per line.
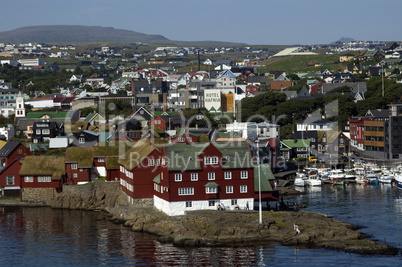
<point>45,131</point>
<point>74,166</point>
<point>181,139</point>
<point>28,179</point>
<point>44,179</point>
<point>211,203</point>
<point>243,189</point>
<point>211,176</point>
<point>81,140</point>
<point>244,175</point>
<point>151,162</point>
<point>75,175</point>
<point>189,204</point>
<point>38,131</point>
<point>211,189</point>
<point>186,191</point>
<point>234,202</point>
<point>101,159</point>
<point>229,189</point>
<point>210,160</point>
<point>177,177</point>
<point>194,177</point>
<point>228,175</point>
<point>158,162</point>
<point>19,150</point>
<point>9,180</point>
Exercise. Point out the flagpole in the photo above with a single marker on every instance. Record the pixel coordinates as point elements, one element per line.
<point>259,182</point>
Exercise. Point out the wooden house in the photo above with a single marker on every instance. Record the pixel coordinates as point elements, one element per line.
<point>11,151</point>
<point>203,177</point>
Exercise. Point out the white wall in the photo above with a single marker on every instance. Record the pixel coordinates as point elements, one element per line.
<point>179,207</point>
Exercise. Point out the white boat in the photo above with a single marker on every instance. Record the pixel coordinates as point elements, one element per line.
<point>360,179</point>
<point>350,176</point>
<point>336,176</point>
<point>314,180</point>
<point>300,180</point>
<point>398,180</point>
<point>385,179</point>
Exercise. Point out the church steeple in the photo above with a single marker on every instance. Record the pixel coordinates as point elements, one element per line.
<point>19,106</point>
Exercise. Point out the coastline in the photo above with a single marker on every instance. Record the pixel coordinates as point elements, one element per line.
<point>217,227</point>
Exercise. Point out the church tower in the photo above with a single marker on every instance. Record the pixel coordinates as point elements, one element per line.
<point>19,106</point>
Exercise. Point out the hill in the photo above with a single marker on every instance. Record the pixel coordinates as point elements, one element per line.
<point>87,34</point>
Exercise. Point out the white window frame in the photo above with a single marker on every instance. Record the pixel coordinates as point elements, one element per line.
<point>189,204</point>
<point>243,189</point>
<point>228,175</point>
<point>186,191</point>
<point>178,177</point>
<point>211,160</point>
<point>81,140</point>
<point>211,176</point>
<point>211,189</point>
<point>194,176</point>
<point>28,179</point>
<point>151,162</point>
<point>10,179</point>
<point>101,159</point>
<point>181,139</point>
<point>74,166</point>
<point>243,174</point>
<point>229,189</point>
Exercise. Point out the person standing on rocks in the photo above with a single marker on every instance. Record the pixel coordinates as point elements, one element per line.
<point>247,207</point>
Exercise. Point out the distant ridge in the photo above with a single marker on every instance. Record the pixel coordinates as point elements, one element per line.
<point>87,34</point>
<point>78,34</point>
<point>344,40</point>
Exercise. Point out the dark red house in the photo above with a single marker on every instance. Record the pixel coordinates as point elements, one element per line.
<point>204,176</point>
<point>11,151</point>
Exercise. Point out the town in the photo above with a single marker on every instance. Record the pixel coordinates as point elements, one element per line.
<point>192,128</point>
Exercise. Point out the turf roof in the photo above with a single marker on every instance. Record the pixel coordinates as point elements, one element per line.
<point>43,165</point>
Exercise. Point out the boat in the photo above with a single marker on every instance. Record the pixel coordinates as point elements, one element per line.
<point>350,176</point>
<point>314,180</point>
<point>398,180</point>
<point>300,180</point>
<point>337,177</point>
<point>385,179</point>
<point>372,178</point>
<point>360,179</point>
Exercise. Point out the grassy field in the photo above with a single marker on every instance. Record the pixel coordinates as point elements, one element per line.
<point>293,64</point>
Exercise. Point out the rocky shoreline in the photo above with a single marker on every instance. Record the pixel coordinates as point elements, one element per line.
<point>217,227</point>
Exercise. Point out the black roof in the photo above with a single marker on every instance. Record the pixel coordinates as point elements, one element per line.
<point>9,148</point>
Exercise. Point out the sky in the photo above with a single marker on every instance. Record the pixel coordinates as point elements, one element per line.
<point>254,22</point>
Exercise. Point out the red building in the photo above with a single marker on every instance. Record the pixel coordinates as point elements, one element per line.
<point>186,138</point>
<point>167,122</point>
<point>11,151</point>
<point>42,172</point>
<point>356,129</point>
<point>138,169</point>
<point>204,176</point>
<point>252,89</point>
<point>10,180</point>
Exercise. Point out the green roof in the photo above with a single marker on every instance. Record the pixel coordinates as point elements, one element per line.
<point>265,175</point>
<point>211,184</point>
<point>141,150</point>
<point>51,114</point>
<point>112,163</point>
<point>157,179</point>
<point>298,143</point>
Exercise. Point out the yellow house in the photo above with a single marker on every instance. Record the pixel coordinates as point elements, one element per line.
<point>346,57</point>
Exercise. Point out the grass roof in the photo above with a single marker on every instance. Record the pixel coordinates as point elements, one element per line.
<point>82,155</point>
<point>43,165</point>
<point>136,154</point>
<point>112,163</point>
<point>51,114</point>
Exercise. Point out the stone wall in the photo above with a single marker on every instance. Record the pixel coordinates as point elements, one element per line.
<point>44,196</point>
<point>93,196</point>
